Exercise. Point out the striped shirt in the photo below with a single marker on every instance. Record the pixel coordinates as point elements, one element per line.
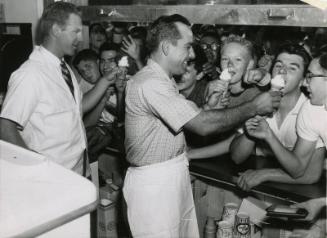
<point>155,116</point>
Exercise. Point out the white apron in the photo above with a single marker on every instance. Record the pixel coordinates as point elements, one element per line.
<point>160,201</point>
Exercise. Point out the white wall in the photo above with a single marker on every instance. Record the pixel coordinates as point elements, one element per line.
<point>23,11</point>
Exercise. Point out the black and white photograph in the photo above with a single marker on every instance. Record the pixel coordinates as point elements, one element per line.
<point>163,118</point>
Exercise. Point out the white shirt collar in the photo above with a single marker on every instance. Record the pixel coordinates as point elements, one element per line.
<point>154,65</point>
<point>45,55</point>
<point>298,104</point>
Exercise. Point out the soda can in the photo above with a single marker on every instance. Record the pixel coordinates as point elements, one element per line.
<point>229,212</point>
<point>242,228</point>
<point>225,230</point>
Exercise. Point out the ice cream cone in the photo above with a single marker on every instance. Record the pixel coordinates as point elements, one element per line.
<point>277,83</point>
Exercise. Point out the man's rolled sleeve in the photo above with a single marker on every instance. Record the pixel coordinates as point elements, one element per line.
<point>169,105</point>
<point>21,98</point>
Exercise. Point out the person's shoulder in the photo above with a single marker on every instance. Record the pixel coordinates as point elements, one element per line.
<point>27,71</point>
<point>146,77</point>
<point>311,113</point>
<point>308,107</point>
<point>247,95</point>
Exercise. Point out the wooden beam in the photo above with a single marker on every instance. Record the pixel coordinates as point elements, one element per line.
<point>269,15</point>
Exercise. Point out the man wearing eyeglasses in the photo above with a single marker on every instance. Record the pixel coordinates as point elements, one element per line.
<point>311,127</point>
<point>209,42</point>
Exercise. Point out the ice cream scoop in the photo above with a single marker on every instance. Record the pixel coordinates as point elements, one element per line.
<point>219,85</point>
<point>123,65</point>
<point>225,75</point>
<point>277,83</point>
<point>123,62</point>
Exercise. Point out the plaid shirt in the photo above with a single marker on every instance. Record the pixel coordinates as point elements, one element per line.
<point>155,115</point>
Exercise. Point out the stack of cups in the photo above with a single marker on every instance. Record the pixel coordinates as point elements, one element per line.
<point>225,230</point>
<point>229,212</point>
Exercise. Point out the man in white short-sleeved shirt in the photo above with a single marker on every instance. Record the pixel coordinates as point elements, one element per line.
<point>43,107</point>
<point>291,63</point>
<point>312,123</point>
<point>311,126</point>
<point>157,186</point>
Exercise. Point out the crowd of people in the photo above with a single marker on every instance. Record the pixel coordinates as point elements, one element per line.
<point>163,107</point>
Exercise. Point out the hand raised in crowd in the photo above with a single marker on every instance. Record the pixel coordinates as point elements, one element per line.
<point>131,48</point>
<point>257,127</point>
<point>217,100</point>
<point>210,70</point>
<point>212,100</point>
<point>267,102</point>
<point>250,178</point>
<point>225,100</point>
<point>265,62</point>
<point>111,75</point>
<point>258,76</point>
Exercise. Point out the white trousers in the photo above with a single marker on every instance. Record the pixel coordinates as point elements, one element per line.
<point>159,200</point>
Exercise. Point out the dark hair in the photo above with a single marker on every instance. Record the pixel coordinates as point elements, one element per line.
<point>109,46</point>
<point>211,34</point>
<point>164,28</point>
<point>138,32</point>
<point>200,58</point>
<point>97,28</point>
<point>86,54</point>
<point>323,60</point>
<point>296,49</point>
<point>57,12</point>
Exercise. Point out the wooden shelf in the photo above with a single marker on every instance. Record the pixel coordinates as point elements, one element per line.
<point>270,15</point>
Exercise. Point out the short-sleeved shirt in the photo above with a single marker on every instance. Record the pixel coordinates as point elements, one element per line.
<point>155,116</point>
<point>312,123</point>
<point>46,113</point>
<point>85,86</point>
<point>286,133</point>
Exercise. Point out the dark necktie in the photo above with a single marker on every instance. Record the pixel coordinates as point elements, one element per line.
<point>67,76</point>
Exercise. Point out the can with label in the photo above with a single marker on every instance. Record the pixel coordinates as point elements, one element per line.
<point>225,230</point>
<point>242,228</point>
<point>107,219</point>
<point>229,212</point>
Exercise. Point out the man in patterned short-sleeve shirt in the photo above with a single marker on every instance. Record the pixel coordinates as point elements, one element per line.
<point>157,186</point>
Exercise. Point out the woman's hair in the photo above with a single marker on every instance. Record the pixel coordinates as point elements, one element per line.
<point>57,12</point>
<point>241,41</point>
<point>97,28</point>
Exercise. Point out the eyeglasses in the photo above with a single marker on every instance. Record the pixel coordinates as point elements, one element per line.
<point>212,46</point>
<point>310,75</point>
